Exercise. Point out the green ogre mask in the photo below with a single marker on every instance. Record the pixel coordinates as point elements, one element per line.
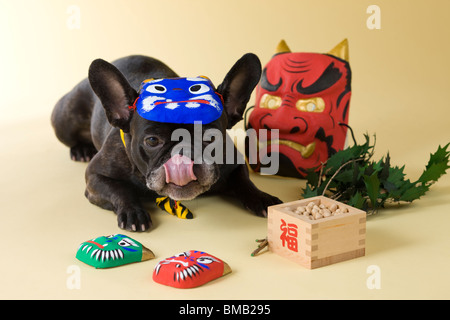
<point>112,251</point>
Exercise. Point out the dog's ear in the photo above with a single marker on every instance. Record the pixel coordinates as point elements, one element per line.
<point>114,91</point>
<point>238,86</point>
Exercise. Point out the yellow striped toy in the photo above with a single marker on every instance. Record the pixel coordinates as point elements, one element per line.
<point>173,207</point>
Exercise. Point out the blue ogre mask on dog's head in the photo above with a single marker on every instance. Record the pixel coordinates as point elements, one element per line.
<point>179,100</point>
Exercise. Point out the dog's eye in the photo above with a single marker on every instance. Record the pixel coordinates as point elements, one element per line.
<point>152,141</point>
<point>198,88</point>
<point>156,88</point>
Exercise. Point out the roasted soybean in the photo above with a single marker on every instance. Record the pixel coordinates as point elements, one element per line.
<point>315,212</point>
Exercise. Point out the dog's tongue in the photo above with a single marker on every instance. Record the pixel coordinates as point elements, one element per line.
<point>179,170</point>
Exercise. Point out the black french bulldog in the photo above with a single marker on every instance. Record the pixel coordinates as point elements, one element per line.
<point>88,119</point>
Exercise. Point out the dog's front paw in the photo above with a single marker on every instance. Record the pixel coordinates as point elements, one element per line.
<point>82,152</point>
<point>134,219</point>
<point>258,204</point>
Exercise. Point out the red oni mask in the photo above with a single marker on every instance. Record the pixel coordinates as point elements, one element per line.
<point>189,269</point>
<point>306,96</point>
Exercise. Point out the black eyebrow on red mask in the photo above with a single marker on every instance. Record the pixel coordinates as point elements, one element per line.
<point>329,77</point>
<point>266,85</point>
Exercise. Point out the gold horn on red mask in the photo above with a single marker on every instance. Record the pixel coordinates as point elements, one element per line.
<point>340,50</point>
<point>282,47</point>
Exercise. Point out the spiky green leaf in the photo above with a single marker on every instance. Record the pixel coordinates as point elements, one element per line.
<point>373,188</point>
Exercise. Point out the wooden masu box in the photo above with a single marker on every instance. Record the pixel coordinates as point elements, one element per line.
<point>316,243</point>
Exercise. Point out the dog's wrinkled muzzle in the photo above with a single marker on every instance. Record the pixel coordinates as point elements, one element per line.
<point>179,170</point>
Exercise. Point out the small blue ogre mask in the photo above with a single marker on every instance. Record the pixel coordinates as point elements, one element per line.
<point>179,100</point>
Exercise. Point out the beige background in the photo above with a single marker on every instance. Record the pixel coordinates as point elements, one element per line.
<point>400,93</point>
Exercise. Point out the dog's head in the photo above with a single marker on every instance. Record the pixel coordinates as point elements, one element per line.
<point>181,158</point>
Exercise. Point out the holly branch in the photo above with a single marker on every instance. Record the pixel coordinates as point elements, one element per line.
<point>353,177</point>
